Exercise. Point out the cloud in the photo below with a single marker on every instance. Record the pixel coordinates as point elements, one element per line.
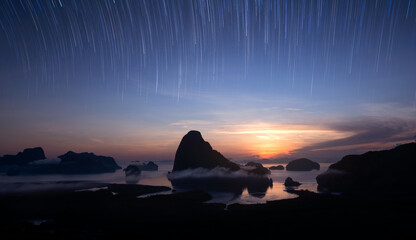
<point>96,140</point>
<point>191,123</point>
<point>370,133</point>
<point>294,109</point>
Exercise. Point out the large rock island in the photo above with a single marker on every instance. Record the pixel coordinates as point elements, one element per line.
<point>198,166</point>
<point>386,170</point>
<point>195,152</point>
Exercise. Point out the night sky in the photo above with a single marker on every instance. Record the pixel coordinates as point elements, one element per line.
<point>259,79</point>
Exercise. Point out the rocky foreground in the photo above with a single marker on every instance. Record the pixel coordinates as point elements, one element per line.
<point>103,215</point>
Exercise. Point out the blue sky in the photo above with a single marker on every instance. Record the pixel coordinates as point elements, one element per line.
<point>259,79</point>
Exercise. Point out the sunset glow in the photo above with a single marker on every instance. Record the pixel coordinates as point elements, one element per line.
<point>271,140</point>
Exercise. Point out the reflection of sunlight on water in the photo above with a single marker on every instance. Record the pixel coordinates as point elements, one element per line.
<point>275,193</point>
<point>306,178</point>
<point>155,181</point>
<point>153,194</point>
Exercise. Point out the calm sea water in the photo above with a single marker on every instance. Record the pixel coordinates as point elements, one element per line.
<point>159,178</point>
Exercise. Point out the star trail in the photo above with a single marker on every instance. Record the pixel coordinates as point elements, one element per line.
<point>180,45</point>
<point>141,52</point>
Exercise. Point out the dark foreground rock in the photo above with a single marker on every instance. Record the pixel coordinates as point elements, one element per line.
<point>388,170</point>
<point>289,182</point>
<point>102,215</point>
<point>136,190</point>
<point>279,167</point>
<point>302,164</point>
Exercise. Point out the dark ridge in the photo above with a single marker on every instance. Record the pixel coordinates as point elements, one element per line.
<point>388,170</point>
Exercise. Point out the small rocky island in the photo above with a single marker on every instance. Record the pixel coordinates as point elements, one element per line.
<point>134,170</point>
<point>137,167</point>
<point>289,182</point>
<point>278,167</point>
<point>302,164</point>
<point>33,161</point>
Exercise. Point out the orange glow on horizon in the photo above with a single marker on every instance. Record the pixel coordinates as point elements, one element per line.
<point>265,140</point>
<point>235,141</point>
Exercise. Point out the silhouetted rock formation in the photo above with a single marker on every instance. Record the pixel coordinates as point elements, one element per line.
<point>132,174</point>
<point>374,170</point>
<point>258,168</point>
<point>279,167</point>
<point>14,165</point>
<point>132,170</point>
<point>302,164</point>
<point>290,183</point>
<point>198,166</point>
<point>194,152</point>
<point>85,163</point>
<point>28,155</point>
<point>27,163</point>
<point>150,166</point>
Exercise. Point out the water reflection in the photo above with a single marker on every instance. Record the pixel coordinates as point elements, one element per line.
<point>256,186</point>
<point>159,178</point>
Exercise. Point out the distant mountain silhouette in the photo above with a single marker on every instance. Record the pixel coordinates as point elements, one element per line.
<point>375,170</point>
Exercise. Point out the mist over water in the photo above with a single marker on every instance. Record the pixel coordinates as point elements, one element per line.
<point>50,182</point>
